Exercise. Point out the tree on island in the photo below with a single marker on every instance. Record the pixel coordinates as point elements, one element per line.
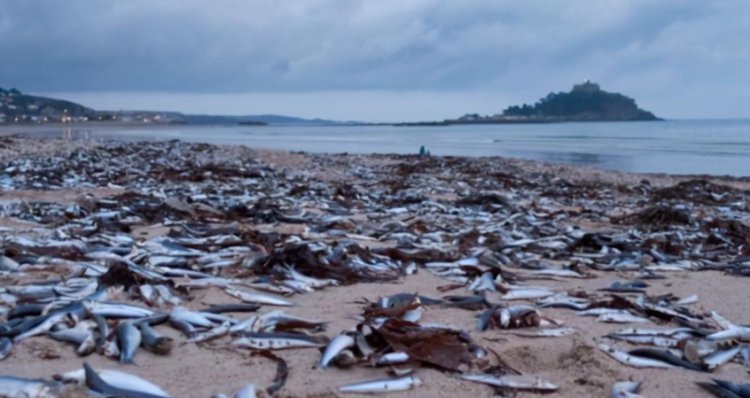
<point>586,102</point>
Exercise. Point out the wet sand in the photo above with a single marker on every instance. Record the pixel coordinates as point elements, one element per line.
<point>573,362</point>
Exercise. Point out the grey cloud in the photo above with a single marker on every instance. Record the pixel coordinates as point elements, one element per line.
<point>522,49</point>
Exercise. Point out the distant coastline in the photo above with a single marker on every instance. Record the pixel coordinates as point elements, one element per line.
<point>586,102</point>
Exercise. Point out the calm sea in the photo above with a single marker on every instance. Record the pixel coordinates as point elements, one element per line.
<point>719,147</point>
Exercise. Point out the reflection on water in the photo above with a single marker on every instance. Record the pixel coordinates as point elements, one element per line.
<point>679,147</point>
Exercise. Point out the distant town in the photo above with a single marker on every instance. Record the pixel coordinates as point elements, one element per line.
<point>19,108</point>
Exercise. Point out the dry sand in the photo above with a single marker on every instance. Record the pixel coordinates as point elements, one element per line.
<point>574,362</point>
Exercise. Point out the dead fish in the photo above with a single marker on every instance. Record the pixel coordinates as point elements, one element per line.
<point>110,349</point>
<point>130,339</point>
<point>657,341</point>
<point>257,298</point>
<point>279,341</point>
<point>745,352</point>
<point>392,358</point>
<point>696,350</point>
<point>741,390</point>
<point>8,264</point>
<point>740,333</point>
<point>87,346</point>
<point>179,314</point>
<point>526,294</point>
<point>563,273</point>
<point>238,307</point>
<point>115,379</point>
<point>186,328</point>
<point>250,391</point>
<point>484,282</point>
<point>718,390</point>
<point>400,299</point>
<point>155,342</point>
<point>345,359</point>
<point>720,357</point>
<point>338,344</point>
<point>625,389</point>
<point>278,320</point>
<point>97,384</point>
<point>630,360</point>
<point>663,356</point>
<point>6,345</point>
<point>383,386</point>
<point>675,333</point>
<point>515,382</point>
<point>216,332</point>
<point>557,332</point>
<point>103,327</point>
<point>43,327</point>
<point>688,300</point>
<point>16,387</point>
<point>601,311</point>
<point>621,318</point>
<point>109,310</point>
<point>723,322</point>
<point>468,303</point>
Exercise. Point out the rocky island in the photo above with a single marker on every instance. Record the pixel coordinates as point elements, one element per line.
<point>586,102</point>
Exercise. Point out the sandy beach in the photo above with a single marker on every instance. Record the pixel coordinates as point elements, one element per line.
<point>558,196</point>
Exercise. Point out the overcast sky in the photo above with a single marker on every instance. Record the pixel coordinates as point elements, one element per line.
<point>377,60</point>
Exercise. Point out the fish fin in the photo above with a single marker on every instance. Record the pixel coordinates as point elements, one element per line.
<point>93,380</point>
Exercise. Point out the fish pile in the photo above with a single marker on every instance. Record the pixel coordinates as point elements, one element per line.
<point>153,223</point>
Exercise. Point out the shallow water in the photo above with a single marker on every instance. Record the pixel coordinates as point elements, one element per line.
<point>718,147</point>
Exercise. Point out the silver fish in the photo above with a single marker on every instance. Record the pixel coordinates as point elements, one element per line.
<point>688,300</point>
<point>155,342</point>
<point>51,321</point>
<point>16,387</point>
<point>257,298</point>
<point>116,310</point>
<point>8,264</point>
<point>625,389</point>
<point>338,344</point>
<point>657,341</point>
<point>723,322</point>
<point>251,324</point>
<point>388,385</point>
<point>741,333</point>
<point>87,346</point>
<point>278,341</point>
<point>6,345</point>
<point>600,311</point>
<point>516,382</point>
<point>621,318</point>
<point>526,294</point>
<point>250,391</point>
<point>110,349</point>
<point>556,332</point>
<point>179,314</point>
<point>633,361</point>
<point>115,379</point>
<point>216,332</point>
<point>392,358</point>
<point>130,338</point>
<point>720,357</point>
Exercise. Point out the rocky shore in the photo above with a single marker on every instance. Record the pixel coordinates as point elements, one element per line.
<point>475,270</point>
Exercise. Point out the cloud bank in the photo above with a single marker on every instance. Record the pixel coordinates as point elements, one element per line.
<point>679,58</point>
